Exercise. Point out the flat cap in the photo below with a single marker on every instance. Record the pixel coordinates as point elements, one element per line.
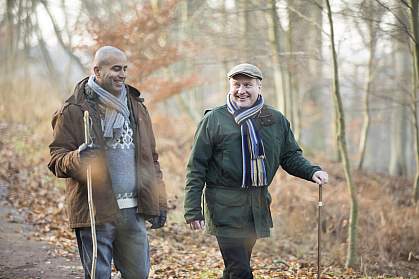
<point>245,69</point>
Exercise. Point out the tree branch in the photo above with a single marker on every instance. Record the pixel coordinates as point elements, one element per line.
<point>403,24</point>
<point>66,48</point>
<point>315,24</point>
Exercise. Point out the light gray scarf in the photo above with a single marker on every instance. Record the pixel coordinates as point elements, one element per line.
<point>116,108</point>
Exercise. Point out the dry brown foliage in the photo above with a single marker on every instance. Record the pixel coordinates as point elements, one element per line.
<point>180,253</point>
<point>145,33</point>
<point>388,227</point>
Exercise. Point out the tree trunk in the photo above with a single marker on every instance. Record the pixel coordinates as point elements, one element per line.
<point>414,14</point>
<point>292,80</point>
<point>352,236</point>
<point>225,65</point>
<point>275,44</point>
<point>368,89</point>
<point>245,22</point>
<point>305,21</point>
<point>398,165</point>
<point>187,101</point>
<point>13,37</point>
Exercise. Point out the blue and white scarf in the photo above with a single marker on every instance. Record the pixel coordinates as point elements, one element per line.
<point>253,152</point>
<point>116,108</point>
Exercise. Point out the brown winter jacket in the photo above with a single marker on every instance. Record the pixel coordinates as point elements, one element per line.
<point>67,124</point>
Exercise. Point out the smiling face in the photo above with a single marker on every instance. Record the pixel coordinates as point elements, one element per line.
<point>244,90</point>
<point>111,72</point>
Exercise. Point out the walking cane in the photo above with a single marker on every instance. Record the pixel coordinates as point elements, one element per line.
<point>88,141</point>
<point>320,204</point>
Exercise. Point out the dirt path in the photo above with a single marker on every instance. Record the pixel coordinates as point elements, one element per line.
<point>22,257</point>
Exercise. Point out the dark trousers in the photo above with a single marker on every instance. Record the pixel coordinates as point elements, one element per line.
<point>236,254</point>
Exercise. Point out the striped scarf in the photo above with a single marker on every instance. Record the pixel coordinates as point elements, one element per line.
<point>116,108</point>
<point>253,152</point>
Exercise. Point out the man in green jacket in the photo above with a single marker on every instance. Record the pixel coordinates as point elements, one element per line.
<point>238,148</point>
<point>127,181</point>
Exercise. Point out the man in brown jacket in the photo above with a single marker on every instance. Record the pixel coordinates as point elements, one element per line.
<point>126,177</point>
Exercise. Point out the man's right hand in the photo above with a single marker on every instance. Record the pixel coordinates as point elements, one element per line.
<point>197,225</point>
<point>88,152</point>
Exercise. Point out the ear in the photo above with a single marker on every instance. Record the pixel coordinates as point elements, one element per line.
<point>96,71</point>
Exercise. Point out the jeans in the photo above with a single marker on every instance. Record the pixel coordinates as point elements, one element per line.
<point>236,254</point>
<point>125,241</point>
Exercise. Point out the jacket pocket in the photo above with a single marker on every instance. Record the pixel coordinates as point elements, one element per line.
<point>231,208</point>
<point>269,220</point>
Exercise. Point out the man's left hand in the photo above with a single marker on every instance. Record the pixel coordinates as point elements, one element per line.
<point>320,177</point>
<point>158,221</point>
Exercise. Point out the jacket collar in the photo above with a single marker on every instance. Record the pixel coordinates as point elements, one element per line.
<point>264,112</point>
<point>80,94</point>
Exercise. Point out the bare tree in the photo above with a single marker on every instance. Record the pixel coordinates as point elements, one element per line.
<point>398,164</point>
<point>414,18</point>
<point>68,48</point>
<point>304,68</point>
<point>276,48</point>
<point>372,14</point>
<point>340,120</point>
<point>244,9</point>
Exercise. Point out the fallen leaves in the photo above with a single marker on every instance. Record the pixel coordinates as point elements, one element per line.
<point>176,251</point>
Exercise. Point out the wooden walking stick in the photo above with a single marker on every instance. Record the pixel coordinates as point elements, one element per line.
<point>320,204</point>
<point>88,141</point>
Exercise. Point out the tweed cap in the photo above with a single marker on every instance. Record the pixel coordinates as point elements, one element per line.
<point>245,69</point>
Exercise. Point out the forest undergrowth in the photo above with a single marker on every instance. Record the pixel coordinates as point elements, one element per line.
<point>388,227</point>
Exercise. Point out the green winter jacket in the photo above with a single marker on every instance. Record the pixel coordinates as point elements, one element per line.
<point>215,169</point>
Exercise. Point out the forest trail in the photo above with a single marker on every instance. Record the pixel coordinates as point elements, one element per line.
<point>23,257</point>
